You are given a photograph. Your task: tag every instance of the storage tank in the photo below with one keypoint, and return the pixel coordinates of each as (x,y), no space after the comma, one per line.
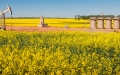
(93,23)
(116,22)
(100,24)
(108,23)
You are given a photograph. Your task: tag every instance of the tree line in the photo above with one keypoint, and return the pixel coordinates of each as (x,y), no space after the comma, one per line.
(37,18)
(78,17)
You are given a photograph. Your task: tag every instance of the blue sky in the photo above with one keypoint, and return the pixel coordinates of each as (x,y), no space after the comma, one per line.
(61,8)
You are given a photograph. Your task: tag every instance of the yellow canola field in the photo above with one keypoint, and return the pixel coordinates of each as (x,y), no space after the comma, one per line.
(59,53)
(51,22)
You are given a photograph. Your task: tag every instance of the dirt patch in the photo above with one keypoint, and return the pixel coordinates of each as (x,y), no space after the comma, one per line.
(45,29)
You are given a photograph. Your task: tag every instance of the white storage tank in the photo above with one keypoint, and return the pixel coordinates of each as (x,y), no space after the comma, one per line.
(93,23)
(116,22)
(100,21)
(108,23)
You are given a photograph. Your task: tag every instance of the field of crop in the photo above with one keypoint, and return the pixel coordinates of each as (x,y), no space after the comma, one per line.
(59,53)
(51,22)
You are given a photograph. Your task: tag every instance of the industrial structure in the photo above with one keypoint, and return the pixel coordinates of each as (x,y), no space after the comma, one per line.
(42,24)
(2,17)
(105,23)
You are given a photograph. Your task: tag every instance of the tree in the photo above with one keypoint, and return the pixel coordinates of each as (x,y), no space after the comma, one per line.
(78,17)
(75,17)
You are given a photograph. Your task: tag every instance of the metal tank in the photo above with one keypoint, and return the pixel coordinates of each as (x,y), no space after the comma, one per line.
(93,23)
(116,23)
(108,23)
(100,21)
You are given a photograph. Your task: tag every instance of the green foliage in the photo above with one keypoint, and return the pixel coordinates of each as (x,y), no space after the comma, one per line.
(37,18)
(78,17)
(59,53)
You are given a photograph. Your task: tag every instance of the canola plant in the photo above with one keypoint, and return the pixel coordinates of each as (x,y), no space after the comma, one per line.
(72,23)
(58,53)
